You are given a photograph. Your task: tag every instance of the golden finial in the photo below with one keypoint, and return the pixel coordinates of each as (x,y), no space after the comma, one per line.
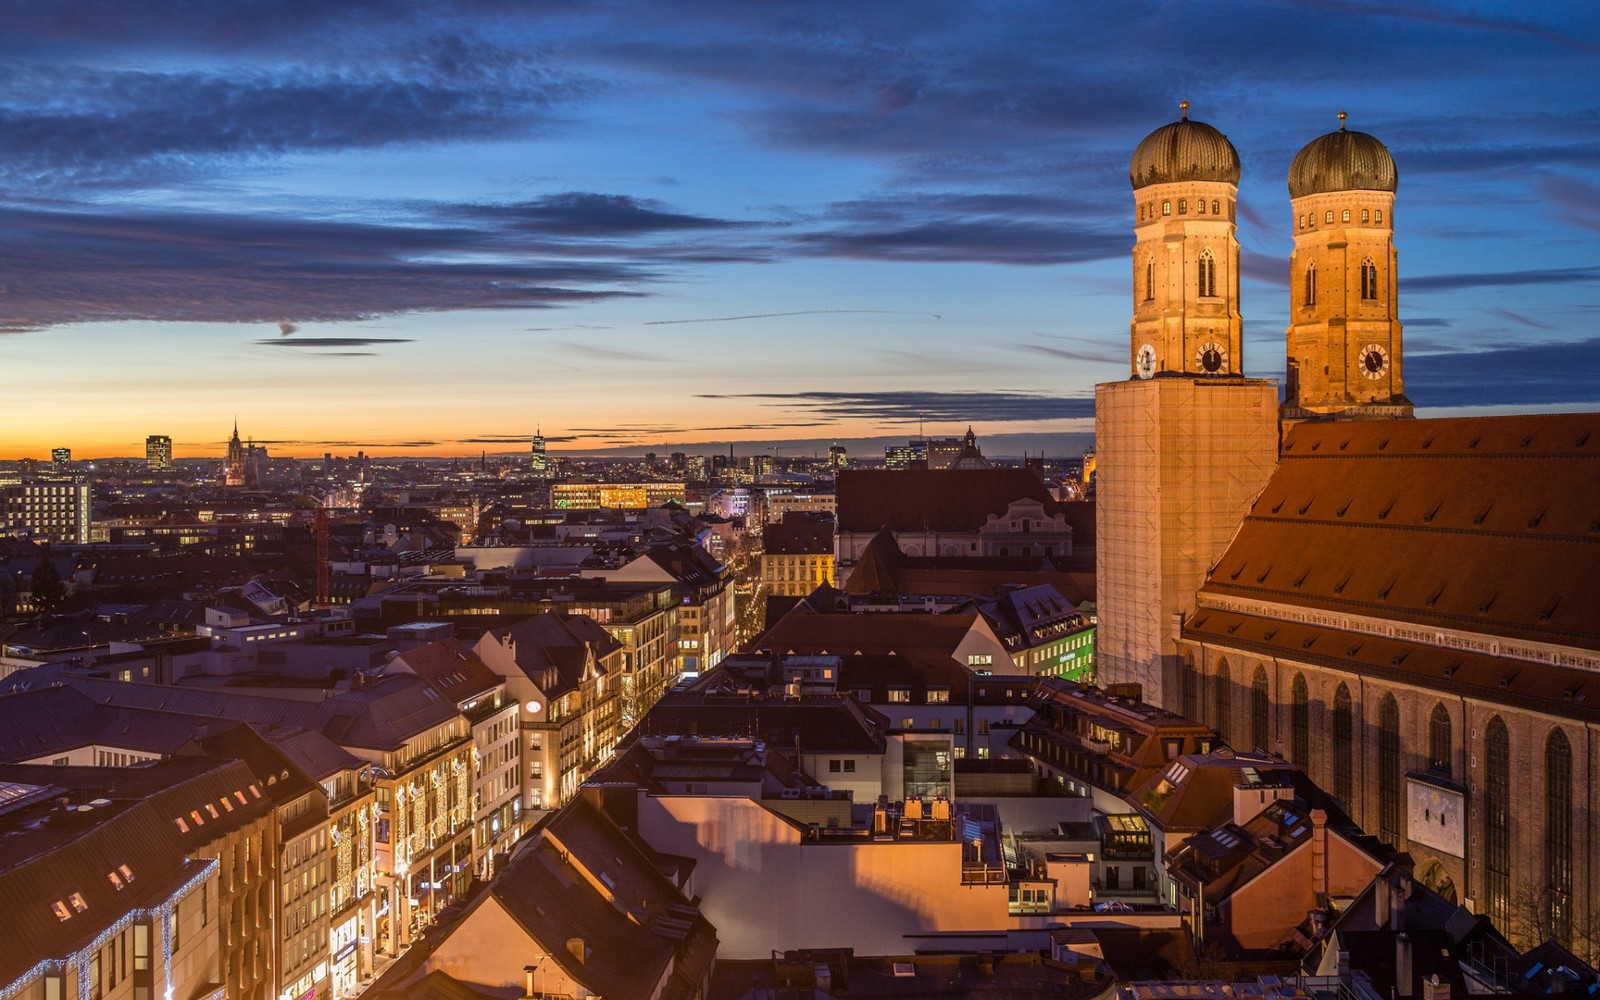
(1184,107)
(1342,117)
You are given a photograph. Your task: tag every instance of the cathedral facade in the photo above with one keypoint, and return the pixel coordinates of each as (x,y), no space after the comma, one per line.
(1403,608)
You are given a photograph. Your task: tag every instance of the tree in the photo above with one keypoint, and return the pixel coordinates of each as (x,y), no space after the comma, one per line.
(47,589)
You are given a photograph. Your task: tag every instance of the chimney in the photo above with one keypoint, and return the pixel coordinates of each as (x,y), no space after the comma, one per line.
(1400,890)
(1342,963)
(1432,989)
(1403,985)
(1380,902)
(528,971)
(1319,850)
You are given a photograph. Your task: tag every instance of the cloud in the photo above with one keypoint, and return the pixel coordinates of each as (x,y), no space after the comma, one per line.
(1520,375)
(798,312)
(285,328)
(320,342)
(909,406)
(606,352)
(588,214)
(1521,320)
(1503,279)
(93,265)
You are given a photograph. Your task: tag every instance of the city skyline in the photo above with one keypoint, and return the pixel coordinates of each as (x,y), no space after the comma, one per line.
(432,233)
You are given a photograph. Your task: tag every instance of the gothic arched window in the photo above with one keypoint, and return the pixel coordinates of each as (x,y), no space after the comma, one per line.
(1224,698)
(1258,708)
(1191,688)
(1311,285)
(1369,279)
(1183,206)
(1343,750)
(1389,769)
(1439,752)
(1300,722)
(1166,209)
(1149,280)
(1497,822)
(1558,836)
(1208,273)
(1366,216)
(1214,206)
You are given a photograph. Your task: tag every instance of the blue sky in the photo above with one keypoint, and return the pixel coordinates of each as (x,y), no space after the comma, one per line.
(433,227)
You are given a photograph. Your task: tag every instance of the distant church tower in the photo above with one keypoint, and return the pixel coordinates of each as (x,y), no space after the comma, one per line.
(233,471)
(1184,445)
(1185,256)
(1344,338)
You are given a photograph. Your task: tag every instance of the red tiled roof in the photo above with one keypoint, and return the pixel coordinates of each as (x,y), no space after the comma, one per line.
(1484,524)
(933,500)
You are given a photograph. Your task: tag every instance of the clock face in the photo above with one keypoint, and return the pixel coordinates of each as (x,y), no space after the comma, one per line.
(1145,362)
(1211,357)
(1374,362)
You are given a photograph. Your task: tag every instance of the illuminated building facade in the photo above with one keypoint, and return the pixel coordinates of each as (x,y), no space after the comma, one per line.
(158,452)
(618,496)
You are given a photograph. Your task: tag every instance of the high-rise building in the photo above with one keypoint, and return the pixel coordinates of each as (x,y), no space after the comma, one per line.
(837,458)
(1185,443)
(61,457)
(1344,335)
(48,511)
(538,461)
(158,452)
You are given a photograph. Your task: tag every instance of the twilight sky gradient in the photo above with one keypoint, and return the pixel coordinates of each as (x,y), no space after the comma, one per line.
(428,228)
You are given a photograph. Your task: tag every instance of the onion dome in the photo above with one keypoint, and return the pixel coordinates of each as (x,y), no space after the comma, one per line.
(1184,151)
(1342,161)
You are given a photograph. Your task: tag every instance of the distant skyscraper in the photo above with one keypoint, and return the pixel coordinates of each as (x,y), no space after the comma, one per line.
(158,452)
(538,461)
(837,459)
(233,468)
(62,457)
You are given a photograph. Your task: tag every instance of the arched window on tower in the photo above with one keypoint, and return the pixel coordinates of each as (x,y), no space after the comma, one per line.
(1497,823)
(1200,206)
(1166,209)
(1366,216)
(1389,769)
(1439,751)
(1224,698)
(1558,836)
(1208,273)
(1214,206)
(1377,216)
(1259,708)
(1344,216)
(1369,280)
(1327,217)
(1183,206)
(1343,749)
(1300,723)
(1311,285)
(1149,280)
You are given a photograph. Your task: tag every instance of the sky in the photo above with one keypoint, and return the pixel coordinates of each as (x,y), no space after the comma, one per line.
(423,227)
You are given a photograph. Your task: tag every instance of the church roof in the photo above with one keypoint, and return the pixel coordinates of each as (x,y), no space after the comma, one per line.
(1342,161)
(1184,151)
(1487,525)
(959,500)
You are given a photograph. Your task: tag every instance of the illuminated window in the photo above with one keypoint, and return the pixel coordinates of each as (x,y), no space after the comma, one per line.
(1344,216)
(938,696)
(78,905)
(1378,216)
(60,910)
(1327,216)
(1200,206)
(1214,206)
(1311,285)
(116,880)
(1366,216)
(1183,206)
(1166,208)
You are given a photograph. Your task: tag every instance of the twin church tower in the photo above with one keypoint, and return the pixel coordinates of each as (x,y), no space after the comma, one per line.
(1185,446)
(1344,337)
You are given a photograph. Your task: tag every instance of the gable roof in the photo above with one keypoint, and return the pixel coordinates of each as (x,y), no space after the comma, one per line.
(933,500)
(1481,524)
